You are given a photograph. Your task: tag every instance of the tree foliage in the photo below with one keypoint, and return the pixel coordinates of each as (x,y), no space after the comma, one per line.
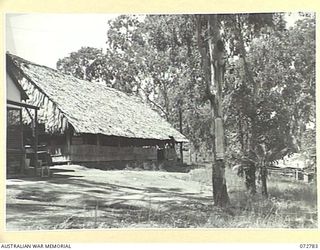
(282,67)
(268,92)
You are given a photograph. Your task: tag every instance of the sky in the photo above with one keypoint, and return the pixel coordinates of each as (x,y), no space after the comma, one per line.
(45,38)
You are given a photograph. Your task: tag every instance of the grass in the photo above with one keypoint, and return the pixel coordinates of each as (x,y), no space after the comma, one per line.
(291,204)
(81,198)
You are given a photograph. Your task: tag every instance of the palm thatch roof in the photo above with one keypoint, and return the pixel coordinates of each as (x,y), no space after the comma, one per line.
(88,107)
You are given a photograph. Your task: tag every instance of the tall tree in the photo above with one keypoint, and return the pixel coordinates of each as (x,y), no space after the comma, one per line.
(243,29)
(212,50)
(177,63)
(275,116)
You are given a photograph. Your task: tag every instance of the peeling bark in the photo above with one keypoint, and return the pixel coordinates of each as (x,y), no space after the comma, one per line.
(212,55)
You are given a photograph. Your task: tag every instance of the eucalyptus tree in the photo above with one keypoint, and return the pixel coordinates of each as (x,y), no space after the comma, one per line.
(271,122)
(180,64)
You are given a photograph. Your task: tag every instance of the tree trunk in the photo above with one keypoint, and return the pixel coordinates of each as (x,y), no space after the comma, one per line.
(217,68)
(212,53)
(264,174)
(250,179)
(250,170)
(250,173)
(180,129)
(219,185)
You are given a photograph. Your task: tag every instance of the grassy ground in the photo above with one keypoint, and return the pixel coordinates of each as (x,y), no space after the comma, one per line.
(77,197)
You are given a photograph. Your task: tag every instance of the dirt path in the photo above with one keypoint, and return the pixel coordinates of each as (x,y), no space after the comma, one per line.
(75,192)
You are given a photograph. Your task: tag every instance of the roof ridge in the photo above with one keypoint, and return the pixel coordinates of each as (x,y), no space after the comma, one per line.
(66,75)
(29,62)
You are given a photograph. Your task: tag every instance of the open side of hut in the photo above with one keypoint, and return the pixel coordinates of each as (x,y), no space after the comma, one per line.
(85,122)
(15,146)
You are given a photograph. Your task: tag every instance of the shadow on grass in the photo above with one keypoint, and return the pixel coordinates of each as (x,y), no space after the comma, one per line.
(125,206)
(114,206)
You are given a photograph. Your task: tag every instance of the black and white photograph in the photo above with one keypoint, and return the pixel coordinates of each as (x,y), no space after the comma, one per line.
(160,121)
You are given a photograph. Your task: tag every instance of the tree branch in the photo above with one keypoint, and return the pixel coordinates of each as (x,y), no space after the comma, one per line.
(155,104)
(244,56)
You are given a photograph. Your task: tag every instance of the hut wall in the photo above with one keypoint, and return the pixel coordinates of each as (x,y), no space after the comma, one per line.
(13,92)
(92,148)
(91,153)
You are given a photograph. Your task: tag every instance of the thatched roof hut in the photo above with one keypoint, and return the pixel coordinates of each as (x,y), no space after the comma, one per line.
(89,107)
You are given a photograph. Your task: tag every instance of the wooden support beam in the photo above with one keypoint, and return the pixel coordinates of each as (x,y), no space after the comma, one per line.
(22,166)
(35,141)
(68,142)
(21,104)
(29,114)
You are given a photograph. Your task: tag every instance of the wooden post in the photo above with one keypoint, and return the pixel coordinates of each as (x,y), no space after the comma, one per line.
(23,157)
(68,143)
(297,174)
(35,141)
